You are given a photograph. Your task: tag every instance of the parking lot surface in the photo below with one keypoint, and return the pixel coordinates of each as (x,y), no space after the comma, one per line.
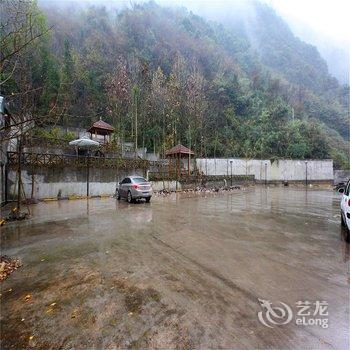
(183,272)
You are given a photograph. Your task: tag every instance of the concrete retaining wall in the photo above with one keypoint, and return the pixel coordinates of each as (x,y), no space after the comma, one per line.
(166,185)
(68,189)
(49,182)
(279,170)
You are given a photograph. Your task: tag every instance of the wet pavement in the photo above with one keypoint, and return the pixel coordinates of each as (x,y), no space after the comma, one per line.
(183,272)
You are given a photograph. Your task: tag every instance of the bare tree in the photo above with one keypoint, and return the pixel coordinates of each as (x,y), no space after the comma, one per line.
(197,105)
(22,26)
(159,101)
(22,31)
(118,89)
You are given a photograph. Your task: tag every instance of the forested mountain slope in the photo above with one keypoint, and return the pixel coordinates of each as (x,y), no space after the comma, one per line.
(297,62)
(245,90)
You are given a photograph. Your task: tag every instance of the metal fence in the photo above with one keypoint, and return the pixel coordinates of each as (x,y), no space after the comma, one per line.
(61,160)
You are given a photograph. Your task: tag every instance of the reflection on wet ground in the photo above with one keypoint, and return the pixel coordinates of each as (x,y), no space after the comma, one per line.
(181,272)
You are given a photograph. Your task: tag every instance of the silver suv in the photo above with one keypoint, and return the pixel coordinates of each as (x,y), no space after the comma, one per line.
(134,187)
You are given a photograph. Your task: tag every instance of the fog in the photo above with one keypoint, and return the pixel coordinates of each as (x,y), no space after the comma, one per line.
(324,24)
(321,23)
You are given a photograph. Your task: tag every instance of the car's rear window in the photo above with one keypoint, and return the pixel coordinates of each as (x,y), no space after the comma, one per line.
(139,180)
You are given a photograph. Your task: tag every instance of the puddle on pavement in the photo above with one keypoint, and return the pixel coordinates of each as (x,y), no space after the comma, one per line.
(184,271)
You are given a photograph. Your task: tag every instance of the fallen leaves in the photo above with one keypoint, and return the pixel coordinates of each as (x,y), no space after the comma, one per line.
(7,266)
(31,341)
(113,323)
(74,313)
(197,190)
(51,308)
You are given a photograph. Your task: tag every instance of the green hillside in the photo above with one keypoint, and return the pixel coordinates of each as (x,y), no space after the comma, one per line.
(222,90)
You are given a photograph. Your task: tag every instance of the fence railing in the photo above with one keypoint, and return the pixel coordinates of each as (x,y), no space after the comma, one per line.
(36,141)
(61,160)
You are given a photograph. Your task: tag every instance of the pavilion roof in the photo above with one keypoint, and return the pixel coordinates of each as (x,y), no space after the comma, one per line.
(100,125)
(178,149)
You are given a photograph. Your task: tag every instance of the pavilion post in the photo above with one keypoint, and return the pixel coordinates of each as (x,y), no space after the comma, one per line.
(87,174)
(19,174)
(189,164)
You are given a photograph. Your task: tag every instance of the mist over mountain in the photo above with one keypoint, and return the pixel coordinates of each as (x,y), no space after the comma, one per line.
(336,54)
(243,86)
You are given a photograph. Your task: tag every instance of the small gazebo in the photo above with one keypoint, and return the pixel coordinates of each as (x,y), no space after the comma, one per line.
(177,154)
(101,128)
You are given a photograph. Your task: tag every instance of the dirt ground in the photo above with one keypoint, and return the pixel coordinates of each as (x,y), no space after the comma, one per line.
(183,272)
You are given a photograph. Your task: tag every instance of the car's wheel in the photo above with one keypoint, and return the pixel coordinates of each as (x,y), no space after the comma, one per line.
(345,229)
(118,195)
(130,200)
(148,199)
(342,221)
(347,237)
(347,234)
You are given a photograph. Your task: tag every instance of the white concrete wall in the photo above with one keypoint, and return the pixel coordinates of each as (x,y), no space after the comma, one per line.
(51,190)
(166,185)
(43,189)
(50,183)
(296,170)
(279,170)
(68,185)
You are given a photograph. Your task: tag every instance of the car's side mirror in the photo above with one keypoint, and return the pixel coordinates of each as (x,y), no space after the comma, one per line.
(341,190)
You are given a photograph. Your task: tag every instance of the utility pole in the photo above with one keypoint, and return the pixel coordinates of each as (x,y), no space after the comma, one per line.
(231,161)
(88,174)
(136,130)
(19,175)
(189,154)
(306,173)
(135,98)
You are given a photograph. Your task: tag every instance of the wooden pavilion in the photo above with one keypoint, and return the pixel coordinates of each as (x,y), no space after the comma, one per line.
(176,156)
(101,128)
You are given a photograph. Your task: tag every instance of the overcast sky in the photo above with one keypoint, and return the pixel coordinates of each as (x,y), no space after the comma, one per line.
(329,18)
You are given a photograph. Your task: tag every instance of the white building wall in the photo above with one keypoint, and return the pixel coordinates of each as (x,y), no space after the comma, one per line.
(279,170)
